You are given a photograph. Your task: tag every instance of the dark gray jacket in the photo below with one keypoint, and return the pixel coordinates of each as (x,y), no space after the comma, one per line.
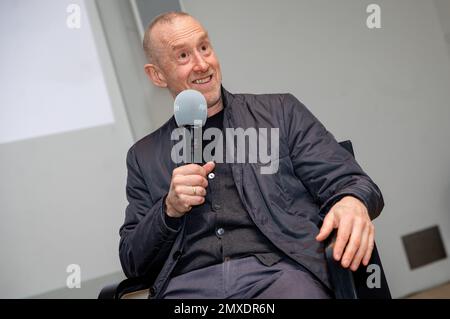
(314,172)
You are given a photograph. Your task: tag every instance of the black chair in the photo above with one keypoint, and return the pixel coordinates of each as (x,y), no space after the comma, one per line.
(346,284)
(358,284)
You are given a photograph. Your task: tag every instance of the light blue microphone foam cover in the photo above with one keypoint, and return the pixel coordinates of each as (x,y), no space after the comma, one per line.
(190,108)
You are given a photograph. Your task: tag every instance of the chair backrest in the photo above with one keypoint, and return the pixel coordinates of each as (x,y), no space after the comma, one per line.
(368,282)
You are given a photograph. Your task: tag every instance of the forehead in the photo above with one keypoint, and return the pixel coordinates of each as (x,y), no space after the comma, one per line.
(182,31)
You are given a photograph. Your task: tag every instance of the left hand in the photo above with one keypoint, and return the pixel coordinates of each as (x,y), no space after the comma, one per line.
(355,234)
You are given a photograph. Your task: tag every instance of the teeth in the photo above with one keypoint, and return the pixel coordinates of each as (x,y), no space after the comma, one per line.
(202,80)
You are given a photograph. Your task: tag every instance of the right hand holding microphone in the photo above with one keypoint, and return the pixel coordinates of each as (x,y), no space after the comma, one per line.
(187,188)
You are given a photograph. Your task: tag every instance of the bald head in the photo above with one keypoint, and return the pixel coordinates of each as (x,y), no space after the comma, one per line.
(180,57)
(152,40)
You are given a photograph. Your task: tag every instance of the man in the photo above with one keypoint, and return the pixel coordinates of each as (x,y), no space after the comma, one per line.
(224,230)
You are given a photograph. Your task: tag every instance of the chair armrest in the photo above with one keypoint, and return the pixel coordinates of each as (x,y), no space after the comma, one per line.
(109,292)
(353,285)
(117,290)
(341,278)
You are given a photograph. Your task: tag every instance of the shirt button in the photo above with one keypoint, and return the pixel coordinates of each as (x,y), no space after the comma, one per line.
(211,175)
(217,207)
(220,231)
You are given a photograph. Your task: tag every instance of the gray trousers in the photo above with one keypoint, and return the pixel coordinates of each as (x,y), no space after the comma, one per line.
(247,278)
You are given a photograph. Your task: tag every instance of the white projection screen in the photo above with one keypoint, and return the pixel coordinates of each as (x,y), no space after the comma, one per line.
(51,81)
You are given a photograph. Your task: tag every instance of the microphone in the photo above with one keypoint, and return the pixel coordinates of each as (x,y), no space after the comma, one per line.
(190,111)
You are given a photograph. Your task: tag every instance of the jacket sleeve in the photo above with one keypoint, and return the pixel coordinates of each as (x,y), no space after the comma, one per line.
(326,169)
(145,237)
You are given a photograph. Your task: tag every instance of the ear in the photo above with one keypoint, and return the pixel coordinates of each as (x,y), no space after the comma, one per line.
(155,75)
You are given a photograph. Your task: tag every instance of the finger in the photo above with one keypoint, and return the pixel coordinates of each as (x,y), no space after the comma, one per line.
(370,246)
(186,200)
(208,167)
(343,234)
(181,204)
(353,244)
(190,180)
(361,250)
(190,190)
(190,169)
(327,227)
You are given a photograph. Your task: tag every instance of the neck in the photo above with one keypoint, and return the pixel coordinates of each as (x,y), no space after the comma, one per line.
(216,108)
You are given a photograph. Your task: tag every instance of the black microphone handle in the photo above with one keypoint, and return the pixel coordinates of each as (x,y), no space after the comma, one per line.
(192,143)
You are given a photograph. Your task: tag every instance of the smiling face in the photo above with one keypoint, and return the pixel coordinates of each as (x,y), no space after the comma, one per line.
(184,59)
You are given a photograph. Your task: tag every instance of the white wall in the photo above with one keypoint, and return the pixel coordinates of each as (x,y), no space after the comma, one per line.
(62,196)
(387,90)
(48,89)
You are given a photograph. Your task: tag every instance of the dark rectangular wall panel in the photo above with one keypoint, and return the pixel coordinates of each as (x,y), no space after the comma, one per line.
(424,247)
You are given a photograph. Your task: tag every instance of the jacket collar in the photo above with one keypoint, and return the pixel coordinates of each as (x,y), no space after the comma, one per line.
(230,102)
(227,97)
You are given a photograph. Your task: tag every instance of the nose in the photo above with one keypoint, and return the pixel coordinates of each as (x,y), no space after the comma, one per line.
(200,63)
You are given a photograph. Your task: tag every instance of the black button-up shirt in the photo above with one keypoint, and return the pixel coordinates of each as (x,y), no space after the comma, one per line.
(221,228)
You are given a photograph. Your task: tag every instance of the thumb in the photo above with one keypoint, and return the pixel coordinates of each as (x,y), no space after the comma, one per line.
(209,167)
(327,227)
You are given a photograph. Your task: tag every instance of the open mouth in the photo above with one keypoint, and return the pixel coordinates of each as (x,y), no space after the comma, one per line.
(203,80)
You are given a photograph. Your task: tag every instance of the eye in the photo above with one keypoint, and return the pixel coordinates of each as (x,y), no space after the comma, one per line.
(204,47)
(183,55)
